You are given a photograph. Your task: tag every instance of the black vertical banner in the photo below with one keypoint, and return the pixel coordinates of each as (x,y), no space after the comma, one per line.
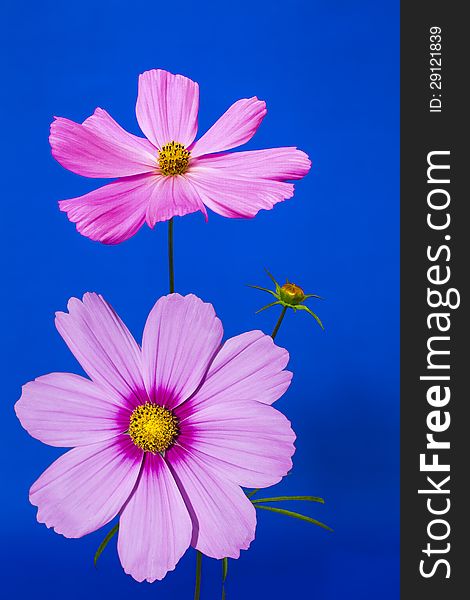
(435,257)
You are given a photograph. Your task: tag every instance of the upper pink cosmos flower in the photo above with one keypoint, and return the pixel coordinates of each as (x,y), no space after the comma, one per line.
(169,173)
(162,435)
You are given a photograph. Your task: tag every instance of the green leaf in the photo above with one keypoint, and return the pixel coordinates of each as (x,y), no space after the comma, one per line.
(282,498)
(310,312)
(105,542)
(294,515)
(252,493)
(314,296)
(257,287)
(267,306)
(278,287)
(224,569)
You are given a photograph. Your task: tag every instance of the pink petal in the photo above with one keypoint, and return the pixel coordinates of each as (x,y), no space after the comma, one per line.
(173,196)
(234,128)
(279,164)
(167,107)
(113,213)
(62,409)
(247,367)
(104,347)
(181,336)
(224,520)
(155,526)
(100,147)
(236,196)
(245,441)
(86,487)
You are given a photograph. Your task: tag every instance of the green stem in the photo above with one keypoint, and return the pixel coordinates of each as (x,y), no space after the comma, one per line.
(197,589)
(279,321)
(224,575)
(171,264)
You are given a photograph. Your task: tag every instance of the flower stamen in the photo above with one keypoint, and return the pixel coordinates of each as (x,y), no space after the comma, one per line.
(173,159)
(153,428)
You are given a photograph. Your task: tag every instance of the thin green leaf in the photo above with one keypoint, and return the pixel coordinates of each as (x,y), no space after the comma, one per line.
(105,542)
(282,498)
(295,515)
(267,306)
(224,569)
(257,287)
(310,312)
(252,493)
(314,296)
(278,287)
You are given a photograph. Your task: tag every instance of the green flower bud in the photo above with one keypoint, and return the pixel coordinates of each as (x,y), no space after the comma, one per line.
(291,294)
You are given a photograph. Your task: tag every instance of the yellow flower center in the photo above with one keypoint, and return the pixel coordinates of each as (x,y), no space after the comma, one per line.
(173,159)
(153,428)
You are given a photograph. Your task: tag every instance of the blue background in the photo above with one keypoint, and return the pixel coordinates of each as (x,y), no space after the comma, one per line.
(329,73)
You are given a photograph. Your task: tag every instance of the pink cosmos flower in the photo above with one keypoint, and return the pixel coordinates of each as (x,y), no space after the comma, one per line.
(162,435)
(169,173)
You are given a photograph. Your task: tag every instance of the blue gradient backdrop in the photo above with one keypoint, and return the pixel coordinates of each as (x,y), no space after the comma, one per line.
(329,73)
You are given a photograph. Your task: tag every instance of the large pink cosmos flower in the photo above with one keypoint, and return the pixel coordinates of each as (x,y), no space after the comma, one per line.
(162,435)
(168,173)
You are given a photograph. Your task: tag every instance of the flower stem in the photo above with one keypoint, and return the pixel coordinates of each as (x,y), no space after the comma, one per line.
(197,589)
(279,321)
(224,575)
(171,265)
